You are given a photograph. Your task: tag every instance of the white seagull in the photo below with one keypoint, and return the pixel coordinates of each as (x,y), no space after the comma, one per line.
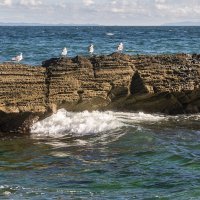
(91,49)
(120,47)
(17,58)
(64,52)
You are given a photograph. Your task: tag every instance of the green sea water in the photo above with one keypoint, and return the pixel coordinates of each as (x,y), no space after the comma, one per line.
(103,155)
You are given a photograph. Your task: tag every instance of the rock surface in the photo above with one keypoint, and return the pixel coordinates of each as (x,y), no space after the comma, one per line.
(164,83)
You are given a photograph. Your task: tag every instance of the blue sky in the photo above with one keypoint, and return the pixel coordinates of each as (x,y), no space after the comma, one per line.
(104,12)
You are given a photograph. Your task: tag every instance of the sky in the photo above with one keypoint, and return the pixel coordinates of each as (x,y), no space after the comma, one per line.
(102,12)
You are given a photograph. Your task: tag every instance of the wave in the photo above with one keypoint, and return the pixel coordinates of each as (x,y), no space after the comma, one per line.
(81,123)
(107,123)
(110,34)
(84,123)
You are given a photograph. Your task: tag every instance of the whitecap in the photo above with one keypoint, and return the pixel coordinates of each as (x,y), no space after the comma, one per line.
(85,123)
(110,34)
(82,123)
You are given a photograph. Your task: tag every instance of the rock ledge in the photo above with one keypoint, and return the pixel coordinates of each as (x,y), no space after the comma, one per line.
(167,84)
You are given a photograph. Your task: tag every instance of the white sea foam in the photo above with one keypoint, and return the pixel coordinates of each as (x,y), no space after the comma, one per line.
(7,193)
(83,123)
(138,117)
(110,34)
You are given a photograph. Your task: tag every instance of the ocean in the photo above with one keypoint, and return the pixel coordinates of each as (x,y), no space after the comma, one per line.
(101,155)
(41,43)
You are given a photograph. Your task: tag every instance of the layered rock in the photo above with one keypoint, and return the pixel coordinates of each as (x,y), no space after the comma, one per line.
(22,95)
(22,88)
(165,74)
(177,76)
(81,83)
(165,83)
(117,71)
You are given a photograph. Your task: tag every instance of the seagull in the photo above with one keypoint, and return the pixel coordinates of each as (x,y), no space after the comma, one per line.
(17,58)
(64,52)
(91,49)
(120,47)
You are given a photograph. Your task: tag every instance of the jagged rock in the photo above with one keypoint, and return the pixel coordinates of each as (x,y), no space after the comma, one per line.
(164,83)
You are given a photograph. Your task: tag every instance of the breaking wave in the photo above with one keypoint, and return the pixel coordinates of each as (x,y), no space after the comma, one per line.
(85,123)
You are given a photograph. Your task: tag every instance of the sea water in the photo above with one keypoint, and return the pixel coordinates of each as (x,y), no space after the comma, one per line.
(41,43)
(101,155)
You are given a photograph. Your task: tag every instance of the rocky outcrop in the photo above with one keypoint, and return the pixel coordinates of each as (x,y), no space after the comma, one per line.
(165,74)
(81,83)
(22,88)
(176,77)
(22,95)
(164,83)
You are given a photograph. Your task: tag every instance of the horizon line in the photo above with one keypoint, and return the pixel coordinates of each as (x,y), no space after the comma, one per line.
(39,24)
(93,24)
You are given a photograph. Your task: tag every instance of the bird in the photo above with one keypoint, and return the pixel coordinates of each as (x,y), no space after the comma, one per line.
(64,52)
(18,58)
(120,47)
(91,49)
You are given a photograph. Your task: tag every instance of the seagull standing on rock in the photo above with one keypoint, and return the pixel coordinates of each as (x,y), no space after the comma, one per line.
(120,47)
(91,49)
(17,58)
(64,52)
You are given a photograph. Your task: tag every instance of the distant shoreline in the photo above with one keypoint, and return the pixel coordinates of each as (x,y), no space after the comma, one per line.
(181,24)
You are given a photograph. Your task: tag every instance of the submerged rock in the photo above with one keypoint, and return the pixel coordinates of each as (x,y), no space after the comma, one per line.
(155,84)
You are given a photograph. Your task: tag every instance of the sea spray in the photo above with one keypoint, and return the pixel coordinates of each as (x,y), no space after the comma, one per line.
(83,123)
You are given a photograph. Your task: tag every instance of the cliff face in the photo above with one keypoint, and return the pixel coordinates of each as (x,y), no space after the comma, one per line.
(166,83)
